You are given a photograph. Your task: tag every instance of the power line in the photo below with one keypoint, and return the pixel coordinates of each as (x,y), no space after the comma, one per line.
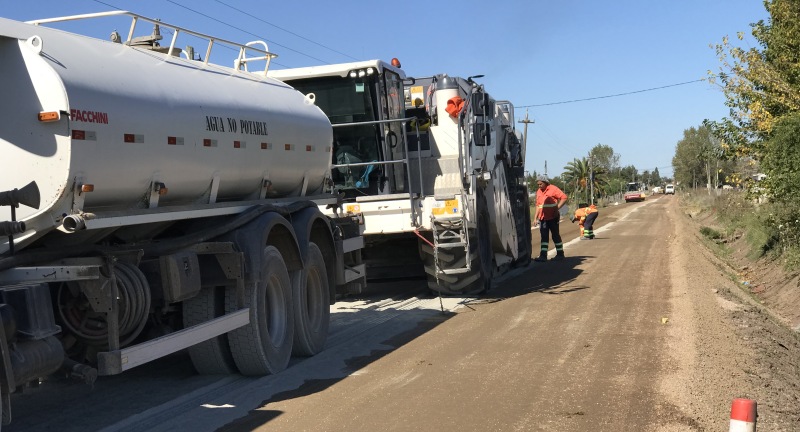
(613,95)
(283,29)
(245,31)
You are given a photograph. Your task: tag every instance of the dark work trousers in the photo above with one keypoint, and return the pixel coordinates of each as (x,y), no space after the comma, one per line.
(545,229)
(588,224)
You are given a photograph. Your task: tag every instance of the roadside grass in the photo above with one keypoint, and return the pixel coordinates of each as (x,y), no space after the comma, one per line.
(770,230)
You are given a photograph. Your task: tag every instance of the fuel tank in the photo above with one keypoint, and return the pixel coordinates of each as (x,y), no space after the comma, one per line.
(131,118)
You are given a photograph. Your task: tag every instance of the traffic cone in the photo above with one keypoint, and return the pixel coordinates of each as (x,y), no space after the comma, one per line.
(743,415)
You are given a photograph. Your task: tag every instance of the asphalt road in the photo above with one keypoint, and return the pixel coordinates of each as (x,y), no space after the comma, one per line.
(573,345)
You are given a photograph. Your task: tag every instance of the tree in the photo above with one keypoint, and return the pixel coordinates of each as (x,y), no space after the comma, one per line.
(629,174)
(761,84)
(582,178)
(655,179)
(697,158)
(603,156)
(783,162)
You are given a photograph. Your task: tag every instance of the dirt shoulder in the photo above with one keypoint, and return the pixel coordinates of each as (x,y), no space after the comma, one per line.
(724,342)
(764,279)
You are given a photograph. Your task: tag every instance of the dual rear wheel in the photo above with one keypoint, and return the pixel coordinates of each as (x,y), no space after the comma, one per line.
(287,315)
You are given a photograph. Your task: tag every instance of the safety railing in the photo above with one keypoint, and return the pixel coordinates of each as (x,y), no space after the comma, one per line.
(405,162)
(240,63)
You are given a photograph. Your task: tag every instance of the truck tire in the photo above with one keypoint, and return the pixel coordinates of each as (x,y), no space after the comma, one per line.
(524,236)
(264,346)
(212,357)
(312,307)
(484,261)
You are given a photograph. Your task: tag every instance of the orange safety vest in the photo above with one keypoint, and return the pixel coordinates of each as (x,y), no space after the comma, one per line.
(547,202)
(580,215)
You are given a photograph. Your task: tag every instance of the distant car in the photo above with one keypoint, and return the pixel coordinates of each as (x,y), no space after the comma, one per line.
(669,189)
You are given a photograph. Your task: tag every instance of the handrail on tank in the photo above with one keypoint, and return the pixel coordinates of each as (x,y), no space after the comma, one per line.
(242,59)
(405,161)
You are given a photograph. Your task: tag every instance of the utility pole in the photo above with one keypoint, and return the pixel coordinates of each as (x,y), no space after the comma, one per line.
(525,136)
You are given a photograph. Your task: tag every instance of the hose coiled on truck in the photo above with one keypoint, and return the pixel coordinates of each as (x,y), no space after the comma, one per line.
(91,327)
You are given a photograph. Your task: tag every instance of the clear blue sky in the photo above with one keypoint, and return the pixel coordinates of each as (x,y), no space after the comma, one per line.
(532,52)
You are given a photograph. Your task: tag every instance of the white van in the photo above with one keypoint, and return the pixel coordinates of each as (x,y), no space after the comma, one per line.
(669,190)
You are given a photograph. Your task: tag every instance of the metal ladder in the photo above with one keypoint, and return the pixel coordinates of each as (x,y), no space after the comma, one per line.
(450,233)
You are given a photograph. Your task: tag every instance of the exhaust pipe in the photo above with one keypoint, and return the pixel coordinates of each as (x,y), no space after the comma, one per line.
(74,223)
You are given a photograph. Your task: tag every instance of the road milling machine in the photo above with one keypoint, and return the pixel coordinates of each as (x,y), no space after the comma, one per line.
(434,165)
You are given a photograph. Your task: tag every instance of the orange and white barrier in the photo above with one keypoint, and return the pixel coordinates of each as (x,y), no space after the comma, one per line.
(743,415)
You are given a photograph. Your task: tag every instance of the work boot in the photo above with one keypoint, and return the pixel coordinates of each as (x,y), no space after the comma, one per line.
(541,258)
(559,256)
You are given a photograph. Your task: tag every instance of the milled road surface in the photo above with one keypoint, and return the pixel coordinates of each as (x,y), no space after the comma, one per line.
(572,345)
(630,333)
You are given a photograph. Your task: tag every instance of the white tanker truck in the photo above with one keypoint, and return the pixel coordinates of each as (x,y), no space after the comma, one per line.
(435,165)
(152,202)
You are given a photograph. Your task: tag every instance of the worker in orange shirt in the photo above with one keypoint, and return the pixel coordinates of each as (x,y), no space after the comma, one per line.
(549,200)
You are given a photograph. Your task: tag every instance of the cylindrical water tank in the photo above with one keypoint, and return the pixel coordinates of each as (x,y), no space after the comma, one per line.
(132,118)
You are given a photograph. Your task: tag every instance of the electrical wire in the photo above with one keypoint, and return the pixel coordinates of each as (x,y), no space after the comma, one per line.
(287,31)
(613,95)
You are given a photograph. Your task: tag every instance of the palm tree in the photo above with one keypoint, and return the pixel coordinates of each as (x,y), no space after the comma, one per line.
(579,174)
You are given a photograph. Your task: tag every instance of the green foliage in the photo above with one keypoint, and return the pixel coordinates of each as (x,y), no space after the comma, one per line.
(710,233)
(581,179)
(761,84)
(769,229)
(629,173)
(782,162)
(762,234)
(603,156)
(699,159)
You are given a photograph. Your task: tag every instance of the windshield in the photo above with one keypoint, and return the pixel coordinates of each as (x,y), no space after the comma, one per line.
(349,100)
(633,187)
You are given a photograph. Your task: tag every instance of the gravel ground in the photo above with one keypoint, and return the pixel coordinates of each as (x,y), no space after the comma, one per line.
(724,343)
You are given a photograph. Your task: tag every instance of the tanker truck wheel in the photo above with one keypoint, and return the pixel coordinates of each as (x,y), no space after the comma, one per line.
(264,346)
(312,308)
(213,356)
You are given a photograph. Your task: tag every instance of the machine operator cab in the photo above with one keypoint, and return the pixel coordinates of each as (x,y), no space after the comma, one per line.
(361,100)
